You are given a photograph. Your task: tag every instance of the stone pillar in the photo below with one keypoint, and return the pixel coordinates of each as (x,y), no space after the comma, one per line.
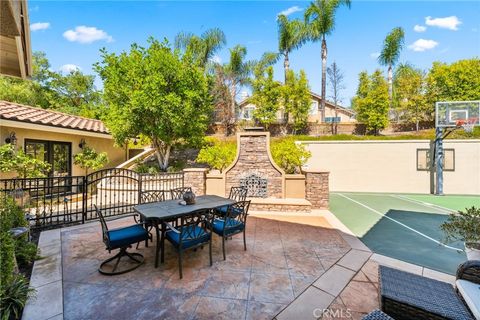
(197,179)
(317,189)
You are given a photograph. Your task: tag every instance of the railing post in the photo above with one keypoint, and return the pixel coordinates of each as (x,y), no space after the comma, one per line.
(84,199)
(140,177)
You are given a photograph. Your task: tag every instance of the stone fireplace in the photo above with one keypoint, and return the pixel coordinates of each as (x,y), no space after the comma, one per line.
(254,167)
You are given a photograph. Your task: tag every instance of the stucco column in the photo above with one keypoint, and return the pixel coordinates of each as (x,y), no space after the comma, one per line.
(317,189)
(197,179)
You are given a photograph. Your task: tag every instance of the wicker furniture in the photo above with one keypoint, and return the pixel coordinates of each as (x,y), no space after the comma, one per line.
(405,295)
(377,315)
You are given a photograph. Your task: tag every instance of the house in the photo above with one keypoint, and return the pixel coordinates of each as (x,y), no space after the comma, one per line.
(344,115)
(55,137)
(15,49)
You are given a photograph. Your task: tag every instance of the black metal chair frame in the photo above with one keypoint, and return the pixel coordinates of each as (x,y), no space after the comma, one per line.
(202,218)
(238,193)
(233,213)
(153,196)
(136,257)
(177,193)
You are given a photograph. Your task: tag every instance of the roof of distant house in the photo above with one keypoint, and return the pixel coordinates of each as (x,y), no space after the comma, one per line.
(318,97)
(22,113)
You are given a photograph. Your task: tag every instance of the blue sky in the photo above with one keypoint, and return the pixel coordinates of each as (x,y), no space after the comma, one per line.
(71,33)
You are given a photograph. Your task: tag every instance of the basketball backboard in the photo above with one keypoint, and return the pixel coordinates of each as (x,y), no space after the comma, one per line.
(457,113)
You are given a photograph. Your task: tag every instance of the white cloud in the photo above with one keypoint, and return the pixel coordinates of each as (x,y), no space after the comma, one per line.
(216,59)
(39,26)
(67,68)
(450,23)
(290,10)
(423,45)
(374,55)
(419,28)
(84,34)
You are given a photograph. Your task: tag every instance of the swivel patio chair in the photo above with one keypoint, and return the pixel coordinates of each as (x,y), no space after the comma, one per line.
(177,193)
(237,194)
(234,222)
(121,238)
(192,232)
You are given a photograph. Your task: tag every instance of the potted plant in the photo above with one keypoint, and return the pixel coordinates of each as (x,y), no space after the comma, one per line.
(465,226)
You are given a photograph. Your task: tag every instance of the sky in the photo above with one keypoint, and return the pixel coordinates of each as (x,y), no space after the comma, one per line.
(73,32)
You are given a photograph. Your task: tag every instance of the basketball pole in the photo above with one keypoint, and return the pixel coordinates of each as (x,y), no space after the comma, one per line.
(439,160)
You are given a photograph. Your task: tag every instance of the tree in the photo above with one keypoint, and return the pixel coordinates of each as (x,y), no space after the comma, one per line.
(266,97)
(289,155)
(296,99)
(392,46)
(218,154)
(18,161)
(320,20)
(409,98)
(203,47)
(156,92)
(371,101)
(459,81)
(336,79)
(88,158)
(291,35)
(222,99)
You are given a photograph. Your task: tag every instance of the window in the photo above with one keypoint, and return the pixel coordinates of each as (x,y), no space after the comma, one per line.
(332,119)
(248,112)
(58,154)
(424,159)
(314,108)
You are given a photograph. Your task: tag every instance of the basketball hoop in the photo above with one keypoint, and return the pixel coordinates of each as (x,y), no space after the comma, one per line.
(467,125)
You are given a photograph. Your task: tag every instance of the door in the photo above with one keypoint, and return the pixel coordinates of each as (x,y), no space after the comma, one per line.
(58,154)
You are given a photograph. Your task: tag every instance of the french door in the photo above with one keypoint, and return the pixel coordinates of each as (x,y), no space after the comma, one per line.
(58,154)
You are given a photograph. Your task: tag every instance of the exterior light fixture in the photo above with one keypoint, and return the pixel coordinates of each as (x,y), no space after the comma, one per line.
(11,138)
(82,143)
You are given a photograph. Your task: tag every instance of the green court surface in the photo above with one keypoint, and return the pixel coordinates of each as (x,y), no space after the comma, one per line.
(404,226)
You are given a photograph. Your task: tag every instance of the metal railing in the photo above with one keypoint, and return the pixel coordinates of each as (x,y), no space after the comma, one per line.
(57,201)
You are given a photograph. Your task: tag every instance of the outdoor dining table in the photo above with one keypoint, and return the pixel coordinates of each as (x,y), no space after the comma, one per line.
(159,212)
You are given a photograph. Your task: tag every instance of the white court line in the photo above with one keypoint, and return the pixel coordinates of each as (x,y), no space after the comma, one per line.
(425,204)
(402,224)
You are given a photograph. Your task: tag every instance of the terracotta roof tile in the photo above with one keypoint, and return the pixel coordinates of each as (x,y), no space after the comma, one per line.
(23,113)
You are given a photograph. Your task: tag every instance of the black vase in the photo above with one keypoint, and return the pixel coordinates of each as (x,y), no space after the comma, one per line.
(189,197)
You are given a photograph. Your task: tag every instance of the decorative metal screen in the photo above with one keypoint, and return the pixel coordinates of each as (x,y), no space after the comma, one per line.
(256,185)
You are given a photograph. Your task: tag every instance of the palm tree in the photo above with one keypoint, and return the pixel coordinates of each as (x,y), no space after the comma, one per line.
(202,47)
(320,21)
(291,35)
(392,45)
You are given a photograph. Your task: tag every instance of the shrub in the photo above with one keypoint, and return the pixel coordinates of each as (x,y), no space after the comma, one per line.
(90,159)
(21,163)
(13,297)
(217,154)
(463,226)
(7,258)
(289,155)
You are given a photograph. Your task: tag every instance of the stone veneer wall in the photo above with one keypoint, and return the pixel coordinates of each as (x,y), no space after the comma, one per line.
(254,157)
(317,189)
(195,178)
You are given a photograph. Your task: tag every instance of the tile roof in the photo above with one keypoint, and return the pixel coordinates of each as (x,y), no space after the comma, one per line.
(23,113)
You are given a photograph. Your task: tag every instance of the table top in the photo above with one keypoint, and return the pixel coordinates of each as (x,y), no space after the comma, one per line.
(172,209)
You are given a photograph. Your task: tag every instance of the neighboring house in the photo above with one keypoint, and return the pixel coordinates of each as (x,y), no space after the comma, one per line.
(55,137)
(344,115)
(15,50)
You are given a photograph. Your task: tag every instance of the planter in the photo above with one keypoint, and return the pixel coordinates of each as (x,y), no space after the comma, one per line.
(472,251)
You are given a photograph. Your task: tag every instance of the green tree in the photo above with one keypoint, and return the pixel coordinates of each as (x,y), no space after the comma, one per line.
(266,97)
(88,158)
(458,81)
(156,92)
(291,35)
(217,154)
(203,47)
(320,20)
(409,97)
(24,165)
(289,155)
(336,79)
(392,46)
(296,99)
(371,101)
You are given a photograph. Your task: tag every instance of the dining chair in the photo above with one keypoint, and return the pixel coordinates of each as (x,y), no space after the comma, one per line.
(177,193)
(232,223)
(236,194)
(121,238)
(192,232)
(149,196)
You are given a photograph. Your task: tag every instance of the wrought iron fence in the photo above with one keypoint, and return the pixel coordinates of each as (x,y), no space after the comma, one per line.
(57,201)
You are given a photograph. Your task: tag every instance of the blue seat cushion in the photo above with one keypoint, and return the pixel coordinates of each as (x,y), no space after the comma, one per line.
(191,236)
(232,226)
(125,236)
(223,210)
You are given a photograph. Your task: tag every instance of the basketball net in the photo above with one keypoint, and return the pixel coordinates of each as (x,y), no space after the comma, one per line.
(467,125)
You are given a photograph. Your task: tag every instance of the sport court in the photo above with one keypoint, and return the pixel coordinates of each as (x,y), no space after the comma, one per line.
(404,226)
